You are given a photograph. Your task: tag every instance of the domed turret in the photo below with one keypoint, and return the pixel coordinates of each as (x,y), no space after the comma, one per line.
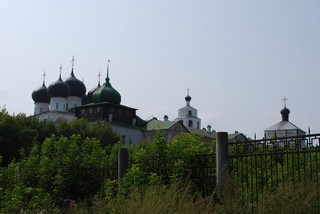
(77,88)
(106,93)
(90,93)
(40,95)
(41,98)
(285,114)
(188,99)
(59,89)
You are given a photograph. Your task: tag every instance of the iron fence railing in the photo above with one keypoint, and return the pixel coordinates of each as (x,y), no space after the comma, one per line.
(268,163)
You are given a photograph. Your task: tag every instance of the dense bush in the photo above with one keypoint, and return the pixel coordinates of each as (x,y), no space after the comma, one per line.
(160,161)
(56,171)
(22,132)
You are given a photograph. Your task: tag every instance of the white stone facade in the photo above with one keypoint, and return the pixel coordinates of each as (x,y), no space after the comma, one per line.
(58,104)
(39,108)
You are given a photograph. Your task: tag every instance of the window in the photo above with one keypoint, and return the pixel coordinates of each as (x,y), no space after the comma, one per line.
(98,109)
(198,125)
(90,110)
(40,110)
(190,123)
(190,113)
(57,105)
(67,106)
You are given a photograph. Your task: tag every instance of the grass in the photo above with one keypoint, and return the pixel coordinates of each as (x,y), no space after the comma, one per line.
(178,198)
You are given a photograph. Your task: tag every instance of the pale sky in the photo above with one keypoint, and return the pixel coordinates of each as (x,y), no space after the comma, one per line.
(238,58)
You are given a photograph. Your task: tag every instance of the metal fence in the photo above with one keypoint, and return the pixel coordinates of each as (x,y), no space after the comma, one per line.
(203,174)
(88,181)
(266,164)
(258,165)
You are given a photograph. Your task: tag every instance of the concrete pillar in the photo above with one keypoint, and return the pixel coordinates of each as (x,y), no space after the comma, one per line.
(122,162)
(222,157)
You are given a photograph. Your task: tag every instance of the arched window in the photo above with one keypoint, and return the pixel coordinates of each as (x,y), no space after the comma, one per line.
(190,113)
(190,123)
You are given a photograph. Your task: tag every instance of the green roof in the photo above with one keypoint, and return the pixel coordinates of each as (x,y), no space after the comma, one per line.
(155,124)
(202,133)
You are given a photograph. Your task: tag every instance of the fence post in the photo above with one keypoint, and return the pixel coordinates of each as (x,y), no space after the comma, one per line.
(221,157)
(122,162)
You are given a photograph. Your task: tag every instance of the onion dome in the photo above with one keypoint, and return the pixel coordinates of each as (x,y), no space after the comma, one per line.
(90,93)
(40,95)
(106,93)
(77,88)
(59,89)
(285,114)
(188,98)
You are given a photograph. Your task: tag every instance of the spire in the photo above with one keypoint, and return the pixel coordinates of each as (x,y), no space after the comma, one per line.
(188,98)
(44,77)
(99,76)
(72,61)
(285,112)
(60,68)
(107,79)
(285,101)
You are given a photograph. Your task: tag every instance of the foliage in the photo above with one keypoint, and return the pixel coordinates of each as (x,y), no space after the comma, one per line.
(22,132)
(175,198)
(160,161)
(56,170)
(100,130)
(16,132)
(297,197)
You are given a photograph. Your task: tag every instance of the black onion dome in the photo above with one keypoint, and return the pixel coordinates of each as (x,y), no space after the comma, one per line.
(89,95)
(40,95)
(188,98)
(77,88)
(59,89)
(285,114)
(285,111)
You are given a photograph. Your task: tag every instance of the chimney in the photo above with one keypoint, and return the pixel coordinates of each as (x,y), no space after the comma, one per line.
(208,128)
(165,118)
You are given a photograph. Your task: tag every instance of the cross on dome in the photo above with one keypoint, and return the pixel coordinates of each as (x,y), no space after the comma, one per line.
(44,76)
(108,70)
(60,68)
(72,61)
(99,76)
(285,101)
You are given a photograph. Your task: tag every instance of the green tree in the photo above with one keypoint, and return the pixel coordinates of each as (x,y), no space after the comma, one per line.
(160,161)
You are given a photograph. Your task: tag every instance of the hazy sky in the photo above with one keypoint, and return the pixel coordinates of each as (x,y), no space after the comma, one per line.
(238,58)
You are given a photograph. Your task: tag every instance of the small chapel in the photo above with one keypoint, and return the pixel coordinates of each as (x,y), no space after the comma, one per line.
(284,128)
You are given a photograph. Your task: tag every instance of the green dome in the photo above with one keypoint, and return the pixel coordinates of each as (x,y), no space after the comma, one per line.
(106,93)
